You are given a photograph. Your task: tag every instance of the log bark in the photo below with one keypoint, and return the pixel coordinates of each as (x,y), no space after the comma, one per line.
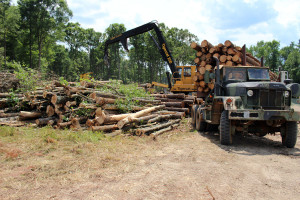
(208,67)
(223,58)
(230,51)
(185,110)
(217,55)
(24,115)
(237,59)
(157,133)
(228,43)
(50,111)
(104,95)
(55,99)
(202,70)
(44,121)
(176,96)
(160,132)
(229,58)
(165,117)
(174,104)
(206,44)
(155,128)
(251,61)
(197,61)
(124,121)
(229,63)
(199,54)
(63,125)
(142,120)
(104,119)
(195,46)
(203,63)
(105,128)
(5,115)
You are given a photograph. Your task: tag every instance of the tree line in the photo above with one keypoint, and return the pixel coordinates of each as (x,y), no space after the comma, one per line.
(38,34)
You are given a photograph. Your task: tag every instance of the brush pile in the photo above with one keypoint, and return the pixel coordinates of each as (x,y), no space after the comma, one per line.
(86,107)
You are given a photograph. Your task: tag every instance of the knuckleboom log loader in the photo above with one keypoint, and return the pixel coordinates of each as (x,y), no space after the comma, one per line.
(182,76)
(244,100)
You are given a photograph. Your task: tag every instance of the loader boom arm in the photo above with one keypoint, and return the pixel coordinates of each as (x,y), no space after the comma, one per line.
(162,45)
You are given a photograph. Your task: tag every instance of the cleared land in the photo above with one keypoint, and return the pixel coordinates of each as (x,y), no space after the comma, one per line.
(181,164)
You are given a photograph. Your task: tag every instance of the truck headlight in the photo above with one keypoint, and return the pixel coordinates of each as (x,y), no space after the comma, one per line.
(250,93)
(286,94)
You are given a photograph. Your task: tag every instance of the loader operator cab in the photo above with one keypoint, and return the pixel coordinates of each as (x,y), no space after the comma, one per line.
(183,72)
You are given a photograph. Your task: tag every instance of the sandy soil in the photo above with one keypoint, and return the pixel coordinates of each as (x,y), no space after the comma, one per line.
(181,164)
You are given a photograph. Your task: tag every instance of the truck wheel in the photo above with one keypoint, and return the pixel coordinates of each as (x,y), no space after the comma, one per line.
(200,123)
(225,133)
(193,113)
(289,134)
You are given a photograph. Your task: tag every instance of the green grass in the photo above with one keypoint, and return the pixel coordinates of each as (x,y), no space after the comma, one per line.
(48,135)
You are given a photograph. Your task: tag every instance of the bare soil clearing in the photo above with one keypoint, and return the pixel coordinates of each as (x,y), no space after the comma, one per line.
(179,165)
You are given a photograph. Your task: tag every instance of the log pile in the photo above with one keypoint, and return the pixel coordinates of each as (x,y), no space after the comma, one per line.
(227,53)
(176,102)
(84,107)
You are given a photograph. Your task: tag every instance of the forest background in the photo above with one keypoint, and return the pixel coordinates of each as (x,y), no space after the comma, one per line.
(38,35)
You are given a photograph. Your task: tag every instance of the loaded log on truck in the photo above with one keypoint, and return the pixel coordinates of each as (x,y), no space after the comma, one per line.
(182,76)
(245,100)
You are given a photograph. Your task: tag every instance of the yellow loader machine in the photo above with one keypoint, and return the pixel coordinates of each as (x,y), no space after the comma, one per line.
(182,76)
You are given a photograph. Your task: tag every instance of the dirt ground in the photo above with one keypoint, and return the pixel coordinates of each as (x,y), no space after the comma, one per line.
(181,164)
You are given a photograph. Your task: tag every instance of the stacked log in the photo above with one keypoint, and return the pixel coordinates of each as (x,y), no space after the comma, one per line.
(176,102)
(84,107)
(227,53)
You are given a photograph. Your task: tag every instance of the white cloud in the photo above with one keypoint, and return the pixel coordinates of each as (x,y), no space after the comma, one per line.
(198,16)
(288,12)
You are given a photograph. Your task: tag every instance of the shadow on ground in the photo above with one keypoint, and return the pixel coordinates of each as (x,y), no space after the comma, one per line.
(253,145)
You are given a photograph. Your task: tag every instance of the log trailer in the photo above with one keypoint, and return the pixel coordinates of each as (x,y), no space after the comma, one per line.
(182,76)
(244,100)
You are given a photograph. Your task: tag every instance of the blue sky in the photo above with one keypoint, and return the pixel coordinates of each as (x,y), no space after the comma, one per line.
(241,21)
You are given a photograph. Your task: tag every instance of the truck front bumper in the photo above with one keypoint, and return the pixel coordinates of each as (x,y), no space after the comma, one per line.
(288,115)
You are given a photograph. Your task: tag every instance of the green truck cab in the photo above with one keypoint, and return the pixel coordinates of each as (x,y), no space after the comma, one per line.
(244,100)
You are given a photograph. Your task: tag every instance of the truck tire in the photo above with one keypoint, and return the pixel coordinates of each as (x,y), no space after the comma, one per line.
(193,113)
(225,133)
(289,134)
(200,123)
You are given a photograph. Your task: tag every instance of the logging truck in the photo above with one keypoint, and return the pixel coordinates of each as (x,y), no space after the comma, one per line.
(244,100)
(181,80)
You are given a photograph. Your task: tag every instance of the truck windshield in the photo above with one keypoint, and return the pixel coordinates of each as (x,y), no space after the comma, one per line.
(236,74)
(258,74)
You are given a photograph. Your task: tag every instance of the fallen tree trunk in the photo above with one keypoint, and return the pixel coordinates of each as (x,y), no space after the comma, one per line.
(174,104)
(185,110)
(105,128)
(176,96)
(43,121)
(165,117)
(24,115)
(157,133)
(148,130)
(5,115)
(142,120)
(141,113)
